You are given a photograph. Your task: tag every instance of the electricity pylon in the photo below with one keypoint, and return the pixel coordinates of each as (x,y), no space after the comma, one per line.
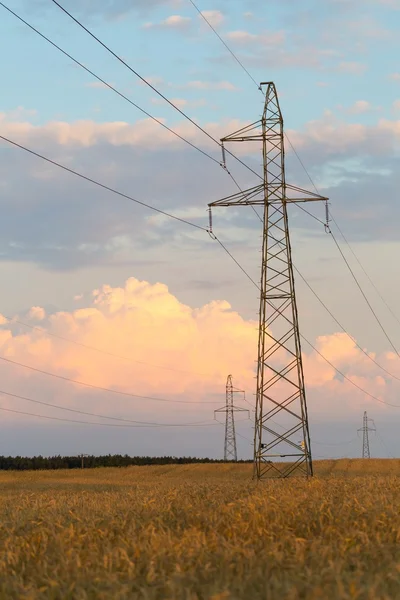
(82,457)
(230,450)
(281,409)
(366,429)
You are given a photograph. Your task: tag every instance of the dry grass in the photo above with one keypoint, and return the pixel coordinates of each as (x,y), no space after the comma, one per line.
(201,532)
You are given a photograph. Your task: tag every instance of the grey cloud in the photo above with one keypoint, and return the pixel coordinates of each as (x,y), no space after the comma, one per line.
(59,222)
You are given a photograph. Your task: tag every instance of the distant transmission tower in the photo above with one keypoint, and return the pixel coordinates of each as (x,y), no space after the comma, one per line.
(82,457)
(230,450)
(365,430)
(281,410)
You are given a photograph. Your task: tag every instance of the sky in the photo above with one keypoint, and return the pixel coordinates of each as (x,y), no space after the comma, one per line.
(154,307)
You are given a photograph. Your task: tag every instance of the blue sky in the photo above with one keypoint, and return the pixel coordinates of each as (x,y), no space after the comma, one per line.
(335,64)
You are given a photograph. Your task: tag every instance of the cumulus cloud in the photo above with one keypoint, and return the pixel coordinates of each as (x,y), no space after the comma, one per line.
(169,346)
(169,350)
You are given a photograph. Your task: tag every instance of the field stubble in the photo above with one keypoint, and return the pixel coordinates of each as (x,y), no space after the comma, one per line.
(201,532)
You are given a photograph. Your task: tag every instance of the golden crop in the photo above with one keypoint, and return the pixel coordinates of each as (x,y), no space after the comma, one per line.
(201,532)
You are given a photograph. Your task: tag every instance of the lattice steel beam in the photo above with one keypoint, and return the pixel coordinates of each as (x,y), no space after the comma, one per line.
(282,440)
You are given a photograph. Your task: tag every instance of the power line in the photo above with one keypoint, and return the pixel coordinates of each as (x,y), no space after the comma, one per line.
(214,237)
(19,412)
(353,383)
(326,359)
(343,328)
(152,87)
(344,258)
(310,214)
(99,416)
(383,444)
(364,270)
(301,162)
(123,96)
(160,211)
(183,221)
(319,353)
(108,85)
(126,98)
(334,444)
(101,185)
(97,387)
(73,172)
(170,216)
(364,295)
(333,316)
(225,44)
(101,351)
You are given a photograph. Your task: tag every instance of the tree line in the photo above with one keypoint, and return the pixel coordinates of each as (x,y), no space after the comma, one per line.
(35,463)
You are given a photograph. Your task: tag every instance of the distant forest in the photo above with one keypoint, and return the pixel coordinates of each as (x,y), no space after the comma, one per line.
(35,463)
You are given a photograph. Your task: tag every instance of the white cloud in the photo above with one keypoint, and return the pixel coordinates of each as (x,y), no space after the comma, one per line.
(37,313)
(172,22)
(360,107)
(144,133)
(214,17)
(394,76)
(241,37)
(330,136)
(396,105)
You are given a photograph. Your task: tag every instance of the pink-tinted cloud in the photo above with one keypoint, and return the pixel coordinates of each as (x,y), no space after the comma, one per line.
(172,351)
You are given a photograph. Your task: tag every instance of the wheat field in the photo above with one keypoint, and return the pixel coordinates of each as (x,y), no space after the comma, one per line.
(201,532)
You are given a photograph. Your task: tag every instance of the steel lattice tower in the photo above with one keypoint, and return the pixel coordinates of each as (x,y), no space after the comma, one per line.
(281,410)
(230,450)
(365,430)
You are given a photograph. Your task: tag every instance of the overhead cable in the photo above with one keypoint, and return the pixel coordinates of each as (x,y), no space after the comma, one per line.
(97,387)
(111,87)
(364,270)
(152,87)
(19,412)
(105,187)
(100,350)
(202,15)
(89,414)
